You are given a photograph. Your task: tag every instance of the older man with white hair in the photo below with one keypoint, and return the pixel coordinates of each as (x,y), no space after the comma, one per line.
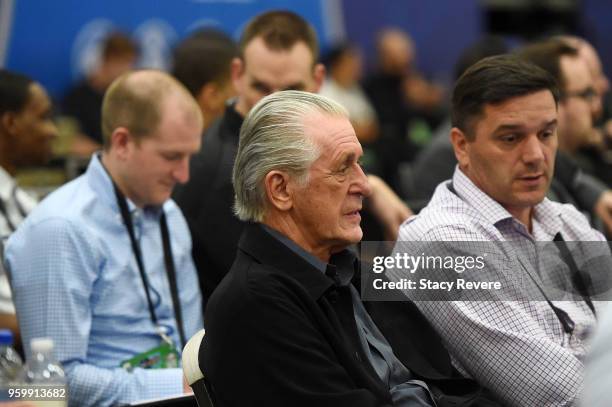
(286,316)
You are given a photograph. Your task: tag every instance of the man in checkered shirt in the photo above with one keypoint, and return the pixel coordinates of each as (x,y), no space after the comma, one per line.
(505,117)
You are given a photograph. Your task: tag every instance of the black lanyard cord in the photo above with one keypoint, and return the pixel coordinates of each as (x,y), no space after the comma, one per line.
(6,216)
(168,260)
(580,281)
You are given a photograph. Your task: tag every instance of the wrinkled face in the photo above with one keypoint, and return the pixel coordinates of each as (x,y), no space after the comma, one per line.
(155,163)
(264,71)
(579,105)
(33,129)
(511,157)
(327,207)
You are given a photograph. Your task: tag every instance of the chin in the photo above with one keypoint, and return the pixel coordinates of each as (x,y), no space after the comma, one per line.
(354,236)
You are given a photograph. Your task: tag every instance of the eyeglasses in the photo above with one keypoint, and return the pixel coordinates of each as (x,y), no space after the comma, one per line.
(589,94)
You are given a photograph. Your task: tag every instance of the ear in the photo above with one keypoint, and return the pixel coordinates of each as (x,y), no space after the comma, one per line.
(9,123)
(122,142)
(237,72)
(318,74)
(461,146)
(278,190)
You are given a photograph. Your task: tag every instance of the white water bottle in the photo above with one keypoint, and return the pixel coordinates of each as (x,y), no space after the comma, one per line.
(44,374)
(11,364)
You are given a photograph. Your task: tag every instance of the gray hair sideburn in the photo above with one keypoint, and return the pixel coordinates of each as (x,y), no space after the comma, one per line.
(272,138)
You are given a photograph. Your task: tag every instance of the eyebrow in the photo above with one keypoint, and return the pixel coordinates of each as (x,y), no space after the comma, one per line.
(346,158)
(520,127)
(293,86)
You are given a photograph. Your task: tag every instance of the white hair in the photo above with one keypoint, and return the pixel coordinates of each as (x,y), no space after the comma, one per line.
(272,138)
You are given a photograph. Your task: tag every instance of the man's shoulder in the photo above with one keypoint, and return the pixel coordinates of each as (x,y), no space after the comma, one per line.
(68,202)
(74,208)
(575,225)
(447,217)
(251,287)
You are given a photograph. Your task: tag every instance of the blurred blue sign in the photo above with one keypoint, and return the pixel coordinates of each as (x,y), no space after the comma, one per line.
(56,42)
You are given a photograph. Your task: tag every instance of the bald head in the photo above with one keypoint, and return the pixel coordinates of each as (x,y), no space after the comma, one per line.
(395,51)
(136,101)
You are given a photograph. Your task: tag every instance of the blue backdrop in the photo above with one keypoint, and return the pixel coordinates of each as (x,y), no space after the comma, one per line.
(55,41)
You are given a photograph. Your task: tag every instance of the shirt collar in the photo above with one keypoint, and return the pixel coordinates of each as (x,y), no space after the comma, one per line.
(490,209)
(545,213)
(7,183)
(268,249)
(341,264)
(101,182)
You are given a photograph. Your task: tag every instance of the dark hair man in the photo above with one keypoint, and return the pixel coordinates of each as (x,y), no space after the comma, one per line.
(505,119)
(26,132)
(278,51)
(202,63)
(98,266)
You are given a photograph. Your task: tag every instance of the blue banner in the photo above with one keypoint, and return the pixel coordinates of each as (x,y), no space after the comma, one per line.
(55,42)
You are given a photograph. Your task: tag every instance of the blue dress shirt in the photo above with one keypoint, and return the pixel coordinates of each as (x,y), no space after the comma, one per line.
(75,280)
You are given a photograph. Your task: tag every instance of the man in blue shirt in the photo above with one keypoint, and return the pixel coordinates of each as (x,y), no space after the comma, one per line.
(98,265)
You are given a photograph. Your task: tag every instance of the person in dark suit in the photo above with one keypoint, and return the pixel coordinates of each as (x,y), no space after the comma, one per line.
(286,327)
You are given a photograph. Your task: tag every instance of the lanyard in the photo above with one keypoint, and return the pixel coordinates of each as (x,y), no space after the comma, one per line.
(577,278)
(168,260)
(580,281)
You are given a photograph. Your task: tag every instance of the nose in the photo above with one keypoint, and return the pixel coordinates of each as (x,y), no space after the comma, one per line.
(362,184)
(181,172)
(533,150)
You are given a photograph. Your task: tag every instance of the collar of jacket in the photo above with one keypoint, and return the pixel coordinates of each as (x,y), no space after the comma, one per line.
(267,249)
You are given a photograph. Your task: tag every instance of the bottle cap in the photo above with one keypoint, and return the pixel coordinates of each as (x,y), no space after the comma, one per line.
(6,337)
(41,345)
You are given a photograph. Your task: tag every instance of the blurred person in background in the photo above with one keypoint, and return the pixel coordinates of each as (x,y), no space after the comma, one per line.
(344,64)
(344,67)
(407,105)
(278,51)
(103,265)
(26,132)
(83,102)
(579,108)
(595,156)
(202,63)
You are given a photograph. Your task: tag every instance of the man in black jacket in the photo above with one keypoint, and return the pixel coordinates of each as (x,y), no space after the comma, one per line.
(286,317)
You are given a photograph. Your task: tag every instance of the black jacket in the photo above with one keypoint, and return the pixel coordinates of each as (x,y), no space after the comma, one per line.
(207,201)
(279,333)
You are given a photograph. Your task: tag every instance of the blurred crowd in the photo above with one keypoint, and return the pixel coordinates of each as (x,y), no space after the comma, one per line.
(400,117)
